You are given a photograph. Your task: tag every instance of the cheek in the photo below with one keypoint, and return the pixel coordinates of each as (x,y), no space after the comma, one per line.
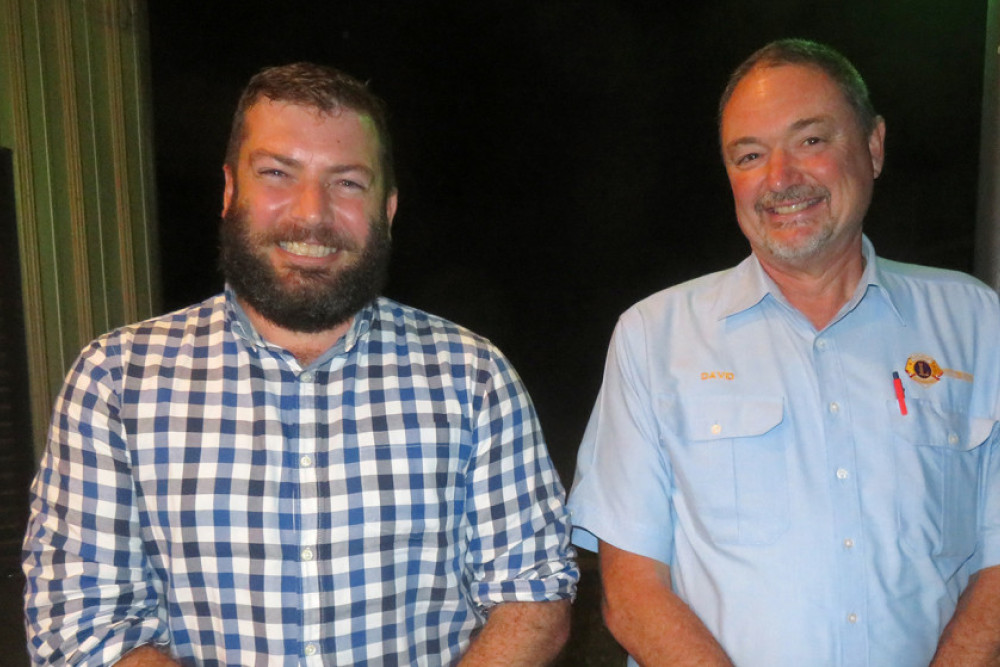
(354,215)
(830,171)
(744,190)
(266,206)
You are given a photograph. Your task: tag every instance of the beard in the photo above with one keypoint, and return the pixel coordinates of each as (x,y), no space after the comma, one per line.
(300,299)
(804,248)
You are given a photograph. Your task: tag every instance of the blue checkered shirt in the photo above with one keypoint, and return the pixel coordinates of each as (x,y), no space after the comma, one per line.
(201,490)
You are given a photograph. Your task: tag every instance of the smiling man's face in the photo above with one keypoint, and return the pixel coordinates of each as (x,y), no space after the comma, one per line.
(800,165)
(305,235)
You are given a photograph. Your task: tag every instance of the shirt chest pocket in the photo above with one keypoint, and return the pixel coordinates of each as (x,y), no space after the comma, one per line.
(730,467)
(410,479)
(938,457)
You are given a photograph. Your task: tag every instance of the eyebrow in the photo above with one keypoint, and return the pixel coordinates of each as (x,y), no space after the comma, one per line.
(807,122)
(797,126)
(337,170)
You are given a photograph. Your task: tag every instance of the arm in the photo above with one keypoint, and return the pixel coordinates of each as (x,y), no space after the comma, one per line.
(147,656)
(521,633)
(519,564)
(654,625)
(89,597)
(972,637)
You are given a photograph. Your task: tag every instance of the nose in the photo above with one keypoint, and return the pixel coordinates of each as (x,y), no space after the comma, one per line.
(310,203)
(782,170)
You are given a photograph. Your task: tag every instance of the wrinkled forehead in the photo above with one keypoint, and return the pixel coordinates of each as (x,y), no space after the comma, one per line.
(293,126)
(793,90)
(782,95)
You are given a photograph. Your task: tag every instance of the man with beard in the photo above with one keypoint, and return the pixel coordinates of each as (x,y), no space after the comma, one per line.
(795,461)
(298,471)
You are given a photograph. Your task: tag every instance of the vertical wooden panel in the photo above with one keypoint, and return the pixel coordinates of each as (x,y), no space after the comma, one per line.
(77,119)
(14,132)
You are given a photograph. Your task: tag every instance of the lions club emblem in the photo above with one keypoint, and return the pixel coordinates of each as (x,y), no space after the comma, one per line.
(923,369)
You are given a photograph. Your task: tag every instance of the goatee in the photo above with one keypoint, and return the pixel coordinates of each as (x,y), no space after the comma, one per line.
(303,300)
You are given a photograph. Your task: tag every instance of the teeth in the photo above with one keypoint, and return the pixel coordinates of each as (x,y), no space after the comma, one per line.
(307,249)
(792,208)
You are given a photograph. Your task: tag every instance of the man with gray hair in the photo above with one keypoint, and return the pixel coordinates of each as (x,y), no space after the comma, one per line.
(795,461)
(298,471)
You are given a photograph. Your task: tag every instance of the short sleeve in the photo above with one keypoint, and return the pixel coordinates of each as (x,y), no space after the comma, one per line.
(622,488)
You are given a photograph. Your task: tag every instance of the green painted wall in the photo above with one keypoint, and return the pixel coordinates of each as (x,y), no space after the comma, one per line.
(75,109)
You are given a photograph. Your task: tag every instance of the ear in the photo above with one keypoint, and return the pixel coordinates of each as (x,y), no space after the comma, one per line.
(876,146)
(227,196)
(391,202)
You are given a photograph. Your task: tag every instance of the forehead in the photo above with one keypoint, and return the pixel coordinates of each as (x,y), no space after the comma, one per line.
(285,127)
(771,98)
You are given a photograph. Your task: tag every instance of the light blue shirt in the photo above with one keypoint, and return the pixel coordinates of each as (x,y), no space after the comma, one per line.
(805,519)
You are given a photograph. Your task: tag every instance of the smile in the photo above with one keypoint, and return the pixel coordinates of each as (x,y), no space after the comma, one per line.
(307,249)
(795,207)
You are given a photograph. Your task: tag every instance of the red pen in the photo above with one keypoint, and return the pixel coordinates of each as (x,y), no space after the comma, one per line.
(897,384)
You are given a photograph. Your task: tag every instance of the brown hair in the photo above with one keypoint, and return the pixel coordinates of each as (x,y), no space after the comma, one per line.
(813,54)
(320,87)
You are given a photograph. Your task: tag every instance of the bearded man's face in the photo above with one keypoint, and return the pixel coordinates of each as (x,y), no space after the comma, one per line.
(305,234)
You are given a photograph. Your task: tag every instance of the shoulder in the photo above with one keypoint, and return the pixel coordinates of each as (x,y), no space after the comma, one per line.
(159,334)
(922,286)
(917,273)
(703,288)
(417,343)
(421,332)
(692,303)
(153,343)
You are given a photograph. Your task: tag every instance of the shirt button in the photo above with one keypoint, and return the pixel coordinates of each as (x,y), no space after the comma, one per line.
(310,649)
(306,462)
(841,473)
(852,618)
(307,376)
(834,408)
(952,438)
(307,554)
(716,429)
(821,344)
(848,543)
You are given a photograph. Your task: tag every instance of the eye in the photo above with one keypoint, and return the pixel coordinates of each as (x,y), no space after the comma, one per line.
(271,172)
(746,158)
(812,141)
(351,185)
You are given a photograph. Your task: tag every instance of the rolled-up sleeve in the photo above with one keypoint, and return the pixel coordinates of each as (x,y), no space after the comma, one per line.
(518,526)
(89,596)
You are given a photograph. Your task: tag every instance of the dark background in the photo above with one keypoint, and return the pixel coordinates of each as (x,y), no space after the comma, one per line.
(558,161)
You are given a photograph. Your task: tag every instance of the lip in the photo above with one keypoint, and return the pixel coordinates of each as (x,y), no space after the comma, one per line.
(793,208)
(287,254)
(308,250)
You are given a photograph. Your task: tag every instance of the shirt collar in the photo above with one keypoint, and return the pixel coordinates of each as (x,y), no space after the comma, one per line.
(244,329)
(751,284)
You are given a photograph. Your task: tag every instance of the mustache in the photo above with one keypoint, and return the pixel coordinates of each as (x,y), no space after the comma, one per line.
(791,193)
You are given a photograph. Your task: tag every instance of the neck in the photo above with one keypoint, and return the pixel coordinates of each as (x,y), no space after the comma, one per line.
(306,347)
(819,292)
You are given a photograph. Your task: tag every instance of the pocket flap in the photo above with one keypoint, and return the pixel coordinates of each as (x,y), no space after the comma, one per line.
(930,425)
(719,417)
